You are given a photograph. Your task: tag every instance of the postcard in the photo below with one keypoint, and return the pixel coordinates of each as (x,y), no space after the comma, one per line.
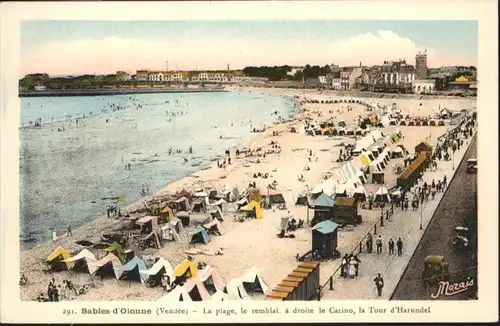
(249,161)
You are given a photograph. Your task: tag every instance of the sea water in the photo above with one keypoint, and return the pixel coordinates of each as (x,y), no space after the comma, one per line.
(68,167)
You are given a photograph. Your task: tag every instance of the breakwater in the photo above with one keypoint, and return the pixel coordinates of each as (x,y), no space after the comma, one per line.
(115,91)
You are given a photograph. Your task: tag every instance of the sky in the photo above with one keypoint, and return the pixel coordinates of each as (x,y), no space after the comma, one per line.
(102,47)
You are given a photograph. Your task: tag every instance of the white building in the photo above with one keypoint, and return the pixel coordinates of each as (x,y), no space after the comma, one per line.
(348,77)
(398,77)
(156,76)
(123,76)
(203,77)
(236,79)
(336,85)
(420,86)
(322,80)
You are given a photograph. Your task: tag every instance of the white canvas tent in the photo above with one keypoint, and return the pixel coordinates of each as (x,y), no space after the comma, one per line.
(211,277)
(254,280)
(196,289)
(360,190)
(216,212)
(177,294)
(376,134)
(168,233)
(130,266)
(96,265)
(236,291)
(85,254)
(161,266)
(385,120)
(176,224)
(327,186)
(84,257)
(382,194)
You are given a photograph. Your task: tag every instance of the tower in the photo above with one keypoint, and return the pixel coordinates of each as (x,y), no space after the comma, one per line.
(421,65)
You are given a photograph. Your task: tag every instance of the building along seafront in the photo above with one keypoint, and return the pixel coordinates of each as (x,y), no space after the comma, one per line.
(229,76)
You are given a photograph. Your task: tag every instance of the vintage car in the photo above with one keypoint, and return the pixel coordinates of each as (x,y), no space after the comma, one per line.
(461,238)
(472,165)
(435,270)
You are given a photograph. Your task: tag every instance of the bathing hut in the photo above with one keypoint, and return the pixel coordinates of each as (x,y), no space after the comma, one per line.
(324,238)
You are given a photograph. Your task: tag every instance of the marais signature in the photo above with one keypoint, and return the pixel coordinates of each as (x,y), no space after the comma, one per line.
(448,289)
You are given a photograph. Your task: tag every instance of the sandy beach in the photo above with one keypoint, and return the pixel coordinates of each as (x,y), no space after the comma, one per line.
(253,242)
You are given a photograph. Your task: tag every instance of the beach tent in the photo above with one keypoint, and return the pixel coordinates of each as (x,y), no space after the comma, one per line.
(105,266)
(275,196)
(131,270)
(148,223)
(326,187)
(220,296)
(57,259)
(219,202)
(376,134)
(253,281)
(216,212)
(364,159)
(169,233)
(235,290)
(201,194)
(116,250)
(301,199)
(396,152)
(242,203)
(176,224)
(382,195)
(182,204)
(212,279)
(323,201)
(200,235)
(360,193)
(385,121)
(81,260)
(340,190)
(196,289)
(214,227)
(167,213)
(254,209)
(134,250)
(177,294)
(186,269)
(184,217)
(160,267)
(197,205)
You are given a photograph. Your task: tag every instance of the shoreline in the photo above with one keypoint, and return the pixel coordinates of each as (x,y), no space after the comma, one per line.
(116,91)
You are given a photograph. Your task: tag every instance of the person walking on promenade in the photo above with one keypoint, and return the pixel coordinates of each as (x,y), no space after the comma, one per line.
(356,264)
(69,231)
(379,283)
(369,243)
(391,246)
(379,244)
(344,266)
(399,244)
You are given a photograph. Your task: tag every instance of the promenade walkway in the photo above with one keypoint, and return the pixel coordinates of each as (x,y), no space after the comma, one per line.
(404,225)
